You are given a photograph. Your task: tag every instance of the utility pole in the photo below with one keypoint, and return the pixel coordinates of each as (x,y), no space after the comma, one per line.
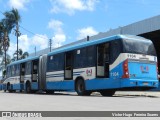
(35,50)
(50,44)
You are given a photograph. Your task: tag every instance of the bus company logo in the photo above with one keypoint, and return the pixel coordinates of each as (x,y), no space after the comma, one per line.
(6,114)
(89,72)
(144,69)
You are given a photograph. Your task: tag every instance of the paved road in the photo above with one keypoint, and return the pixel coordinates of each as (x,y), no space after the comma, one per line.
(122,101)
(62,101)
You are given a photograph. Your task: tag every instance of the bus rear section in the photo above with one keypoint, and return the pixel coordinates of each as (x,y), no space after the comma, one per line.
(139,65)
(139,72)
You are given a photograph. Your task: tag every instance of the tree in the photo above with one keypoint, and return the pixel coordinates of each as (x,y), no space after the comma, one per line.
(4,39)
(13,18)
(21,55)
(3,62)
(8,59)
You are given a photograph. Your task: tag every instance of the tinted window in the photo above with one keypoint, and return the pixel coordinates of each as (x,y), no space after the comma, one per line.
(17,70)
(80,58)
(28,68)
(55,62)
(84,57)
(13,70)
(139,47)
(91,56)
(115,49)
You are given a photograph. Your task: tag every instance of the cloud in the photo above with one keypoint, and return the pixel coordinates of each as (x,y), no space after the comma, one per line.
(19,4)
(70,6)
(55,25)
(12,49)
(40,40)
(27,44)
(58,39)
(84,32)
(58,34)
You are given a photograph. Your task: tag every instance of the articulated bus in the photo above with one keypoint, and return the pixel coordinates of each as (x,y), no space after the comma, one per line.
(120,62)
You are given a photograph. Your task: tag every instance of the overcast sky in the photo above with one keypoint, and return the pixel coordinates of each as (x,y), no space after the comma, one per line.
(66,21)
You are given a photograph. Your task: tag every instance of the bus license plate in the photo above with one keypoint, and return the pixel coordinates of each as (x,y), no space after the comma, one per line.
(145,83)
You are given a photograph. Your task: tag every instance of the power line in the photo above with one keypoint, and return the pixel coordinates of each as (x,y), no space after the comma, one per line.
(32,33)
(28,30)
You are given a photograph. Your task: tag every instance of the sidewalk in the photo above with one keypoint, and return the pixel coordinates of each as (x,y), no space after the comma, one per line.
(138,93)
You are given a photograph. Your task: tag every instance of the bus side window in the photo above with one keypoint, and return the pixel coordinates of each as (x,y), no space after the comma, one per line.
(80,58)
(28,68)
(91,54)
(115,49)
(13,70)
(55,62)
(17,70)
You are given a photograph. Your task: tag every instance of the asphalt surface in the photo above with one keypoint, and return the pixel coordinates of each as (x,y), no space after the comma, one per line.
(62,101)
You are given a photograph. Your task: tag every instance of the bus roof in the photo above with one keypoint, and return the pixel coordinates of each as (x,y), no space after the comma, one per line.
(23,60)
(94,42)
(83,44)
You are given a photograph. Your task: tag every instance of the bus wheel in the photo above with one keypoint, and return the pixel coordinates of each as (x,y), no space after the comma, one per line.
(28,88)
(9,87)
(50,91)
(107,92)
(80,88)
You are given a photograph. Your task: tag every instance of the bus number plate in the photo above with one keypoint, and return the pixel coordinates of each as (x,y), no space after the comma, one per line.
(145,83)
(132,56)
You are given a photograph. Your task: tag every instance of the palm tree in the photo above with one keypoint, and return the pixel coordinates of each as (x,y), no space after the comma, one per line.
(3,62)
(8,60)
(21,55)
(4,39)
(13,18)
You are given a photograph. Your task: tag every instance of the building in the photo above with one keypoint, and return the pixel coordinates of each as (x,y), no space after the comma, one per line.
(148,28)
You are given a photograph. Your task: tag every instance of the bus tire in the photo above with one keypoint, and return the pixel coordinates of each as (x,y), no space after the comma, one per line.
(108,93)
(50,91)
(9,87)
(28,87)
(80,88)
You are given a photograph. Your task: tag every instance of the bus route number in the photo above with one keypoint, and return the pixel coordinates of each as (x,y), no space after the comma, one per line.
(131,56)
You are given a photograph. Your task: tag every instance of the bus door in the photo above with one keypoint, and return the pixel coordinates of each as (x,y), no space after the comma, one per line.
(42,72)
(103,60)
(68,70)
(22,72)
(35,71)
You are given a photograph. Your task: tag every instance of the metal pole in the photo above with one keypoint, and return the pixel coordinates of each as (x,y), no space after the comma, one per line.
(17,33)
(50,44)
(35,50)
(17,45)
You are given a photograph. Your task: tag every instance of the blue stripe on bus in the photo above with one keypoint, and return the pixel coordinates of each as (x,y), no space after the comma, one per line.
(54,76)
(61,85)
(34,85)
(79,72)
(62,74)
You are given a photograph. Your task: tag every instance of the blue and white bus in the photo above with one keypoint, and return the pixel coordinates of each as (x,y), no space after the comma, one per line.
(121,62)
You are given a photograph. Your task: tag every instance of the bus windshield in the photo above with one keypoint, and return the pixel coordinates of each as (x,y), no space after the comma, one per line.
(145,47)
